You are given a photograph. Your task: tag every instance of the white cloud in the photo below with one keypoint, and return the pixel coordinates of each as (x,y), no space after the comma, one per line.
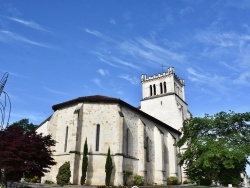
(125,63)
(132,79)
(150,52)
(54,91)
(243,79)
(30,24)
(10,35)
(108,62)
(94,32)
(103,72)
(224,39)
(98,82)
(99,35)
(34,117)
(211,81)
(112,21)
(185,11)
(243,4)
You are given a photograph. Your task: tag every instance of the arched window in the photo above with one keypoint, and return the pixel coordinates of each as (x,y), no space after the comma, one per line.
(66,139)
(165,87)
(97,137)
(127,141)
(161,88)
(147,149)
(154,89)
(150,90)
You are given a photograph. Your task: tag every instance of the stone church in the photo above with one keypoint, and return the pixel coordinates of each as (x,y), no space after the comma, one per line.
(141,140)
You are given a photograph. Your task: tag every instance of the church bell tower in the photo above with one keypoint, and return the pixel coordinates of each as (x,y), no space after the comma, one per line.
(163,97)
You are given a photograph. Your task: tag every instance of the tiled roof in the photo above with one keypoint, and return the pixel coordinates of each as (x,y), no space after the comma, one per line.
(105,99)
(91,99)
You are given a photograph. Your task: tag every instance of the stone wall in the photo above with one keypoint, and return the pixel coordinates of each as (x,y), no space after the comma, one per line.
(137,143)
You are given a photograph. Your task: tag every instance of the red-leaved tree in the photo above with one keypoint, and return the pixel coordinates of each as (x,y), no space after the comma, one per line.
(24,153)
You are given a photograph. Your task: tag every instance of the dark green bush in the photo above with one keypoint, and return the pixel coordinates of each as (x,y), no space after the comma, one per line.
(126,175)
(34,179)
(48,182)
(185,182)
(64,174)
(172,180)
(138,180)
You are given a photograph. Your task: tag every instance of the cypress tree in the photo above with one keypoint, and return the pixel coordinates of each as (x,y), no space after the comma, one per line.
(84,162)
(108,168)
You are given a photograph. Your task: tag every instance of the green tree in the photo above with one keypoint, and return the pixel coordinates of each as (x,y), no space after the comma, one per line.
(64,174)
(84,162)
(217,147)
(25,124)
(108,168)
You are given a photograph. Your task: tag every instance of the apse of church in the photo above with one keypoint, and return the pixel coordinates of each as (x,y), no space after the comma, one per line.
(140,140)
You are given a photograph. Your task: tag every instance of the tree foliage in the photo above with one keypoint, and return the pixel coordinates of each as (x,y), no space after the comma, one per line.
(217,147)
(108,168)
(84,162)
(64,174)
(25,124)
(23,152)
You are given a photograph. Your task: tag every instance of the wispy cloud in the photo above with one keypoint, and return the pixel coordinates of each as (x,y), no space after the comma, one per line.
(19,38)
(244,4)
(186,11)
(212,81)
(98,83)
(139,50)
(30,24)
(108,62)
(150,51)
(224,39)
(103,72)
(13,74)
(18,75)
(132,79)
(125,63)
(54,91)
(243,79)
(114,61)
(229,66)
(225,46)
(34,117)
(94,32)
(99,35)
(112,21)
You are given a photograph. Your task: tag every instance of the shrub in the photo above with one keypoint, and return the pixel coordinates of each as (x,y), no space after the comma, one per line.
(138,180)
(34,179)
(185,182)
(172,180)
(126,175)
(48,182)
(64,174)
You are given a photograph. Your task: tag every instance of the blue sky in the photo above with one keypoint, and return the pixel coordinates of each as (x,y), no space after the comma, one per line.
(56,51)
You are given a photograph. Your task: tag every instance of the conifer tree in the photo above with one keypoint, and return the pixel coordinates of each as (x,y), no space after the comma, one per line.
(108,168)
(84,162)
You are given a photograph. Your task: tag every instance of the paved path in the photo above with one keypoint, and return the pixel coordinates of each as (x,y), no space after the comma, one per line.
(38,185)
